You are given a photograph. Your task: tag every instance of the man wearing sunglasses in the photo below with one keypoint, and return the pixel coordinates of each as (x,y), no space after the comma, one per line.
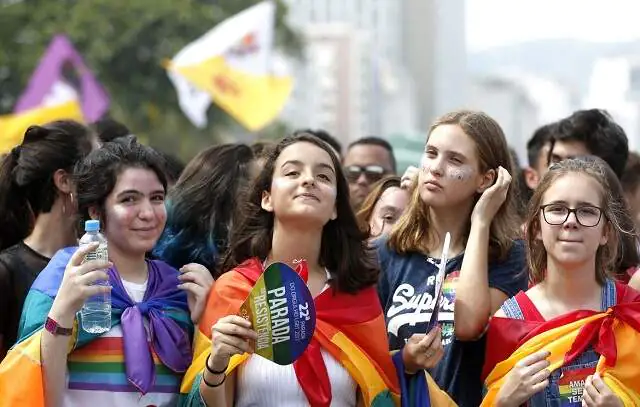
(367,161)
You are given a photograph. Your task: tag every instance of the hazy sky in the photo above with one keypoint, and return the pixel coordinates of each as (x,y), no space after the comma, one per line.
(500,22)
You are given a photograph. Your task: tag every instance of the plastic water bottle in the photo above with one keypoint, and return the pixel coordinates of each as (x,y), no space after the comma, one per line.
(96,311)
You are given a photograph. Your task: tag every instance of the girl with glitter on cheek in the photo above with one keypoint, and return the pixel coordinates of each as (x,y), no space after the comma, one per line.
(462,188)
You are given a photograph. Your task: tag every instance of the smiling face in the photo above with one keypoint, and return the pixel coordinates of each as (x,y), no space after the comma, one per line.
(450,168)
(135,212)
(570,243)
(303,188)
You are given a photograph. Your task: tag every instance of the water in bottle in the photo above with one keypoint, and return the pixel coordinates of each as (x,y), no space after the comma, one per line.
(96,311)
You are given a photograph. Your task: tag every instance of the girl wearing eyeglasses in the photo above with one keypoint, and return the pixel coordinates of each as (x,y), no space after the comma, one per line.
(463,189)
(571,339)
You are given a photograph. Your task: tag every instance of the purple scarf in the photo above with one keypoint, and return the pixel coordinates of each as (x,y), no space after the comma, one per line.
(170,325)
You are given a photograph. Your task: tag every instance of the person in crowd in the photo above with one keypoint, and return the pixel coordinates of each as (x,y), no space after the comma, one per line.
(366,162)
(462,189)
(573,230)
(173,167)
(326,137)
(261,150)
(628,258)
(36,198)
(537,156)
(383,206)
(141,359)
(589,132)
(521,190)
(109,130)
(631,185)
(297,209)
(200,207)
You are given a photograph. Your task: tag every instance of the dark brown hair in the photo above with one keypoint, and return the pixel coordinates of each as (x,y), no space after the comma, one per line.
(344,250)
(411,233)
(613,212)
(27,188)
(631,176)
(369,204)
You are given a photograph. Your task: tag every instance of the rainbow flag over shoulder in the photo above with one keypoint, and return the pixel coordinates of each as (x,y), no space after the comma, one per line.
(349,327)
(614,334)
(102,362)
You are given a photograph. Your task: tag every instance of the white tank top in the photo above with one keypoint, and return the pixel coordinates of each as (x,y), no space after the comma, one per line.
(264,383)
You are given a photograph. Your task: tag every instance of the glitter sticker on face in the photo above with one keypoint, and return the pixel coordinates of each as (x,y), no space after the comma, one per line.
(462,173)
(456,173)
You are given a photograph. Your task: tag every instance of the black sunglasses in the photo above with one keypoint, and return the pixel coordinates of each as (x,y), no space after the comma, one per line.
(373,173)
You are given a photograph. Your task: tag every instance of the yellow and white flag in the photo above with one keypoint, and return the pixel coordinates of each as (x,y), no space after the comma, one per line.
(235,66)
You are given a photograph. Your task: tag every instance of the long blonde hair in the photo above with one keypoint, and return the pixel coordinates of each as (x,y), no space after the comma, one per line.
(411,233)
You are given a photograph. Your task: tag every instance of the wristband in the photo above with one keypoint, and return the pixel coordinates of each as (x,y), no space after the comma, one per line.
(55,329)
(213,371)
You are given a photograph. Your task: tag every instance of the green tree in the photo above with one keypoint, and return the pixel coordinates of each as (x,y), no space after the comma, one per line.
(124,44)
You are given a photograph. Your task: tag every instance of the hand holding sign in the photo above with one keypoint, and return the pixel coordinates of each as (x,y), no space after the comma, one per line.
(442,272)
(282,312)
(424,351)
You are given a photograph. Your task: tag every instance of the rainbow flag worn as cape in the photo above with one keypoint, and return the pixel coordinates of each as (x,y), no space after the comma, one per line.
(350,327)
(613,334)
(158,364)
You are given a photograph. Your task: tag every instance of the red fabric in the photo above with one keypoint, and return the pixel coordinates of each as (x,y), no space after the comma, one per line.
(505,335)
(528,308)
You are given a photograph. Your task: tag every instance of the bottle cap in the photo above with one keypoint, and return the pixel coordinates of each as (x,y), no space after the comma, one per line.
(92,226)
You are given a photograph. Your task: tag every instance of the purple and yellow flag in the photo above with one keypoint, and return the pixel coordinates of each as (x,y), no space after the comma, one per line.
(61,73)
(61,87)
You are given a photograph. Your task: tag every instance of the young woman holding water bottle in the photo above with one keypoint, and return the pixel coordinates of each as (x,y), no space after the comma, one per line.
(140,360)
(462,188)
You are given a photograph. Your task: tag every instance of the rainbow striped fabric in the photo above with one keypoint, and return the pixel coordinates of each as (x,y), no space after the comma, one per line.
(100,366)
(94,362)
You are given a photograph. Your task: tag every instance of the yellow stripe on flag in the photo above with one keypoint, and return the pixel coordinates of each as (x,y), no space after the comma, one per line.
(253,100)
(13,126)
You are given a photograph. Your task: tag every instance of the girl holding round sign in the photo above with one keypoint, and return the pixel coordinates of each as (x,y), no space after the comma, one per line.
(332,326)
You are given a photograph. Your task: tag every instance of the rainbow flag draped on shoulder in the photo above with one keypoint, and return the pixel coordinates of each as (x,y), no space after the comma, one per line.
(613,334)
(133,362)
(349,327)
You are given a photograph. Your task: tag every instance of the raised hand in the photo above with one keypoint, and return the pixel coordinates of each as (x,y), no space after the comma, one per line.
(77,285)
(492,198)
(197,281)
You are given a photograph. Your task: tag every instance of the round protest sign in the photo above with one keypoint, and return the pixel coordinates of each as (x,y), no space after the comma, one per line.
(282,312)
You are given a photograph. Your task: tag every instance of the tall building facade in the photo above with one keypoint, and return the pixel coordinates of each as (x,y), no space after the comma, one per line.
(406,64)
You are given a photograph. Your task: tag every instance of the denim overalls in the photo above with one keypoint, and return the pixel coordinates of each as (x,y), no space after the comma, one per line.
(566,384)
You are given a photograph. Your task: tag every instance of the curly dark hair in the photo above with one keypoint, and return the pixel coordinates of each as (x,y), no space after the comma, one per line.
(96,175)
